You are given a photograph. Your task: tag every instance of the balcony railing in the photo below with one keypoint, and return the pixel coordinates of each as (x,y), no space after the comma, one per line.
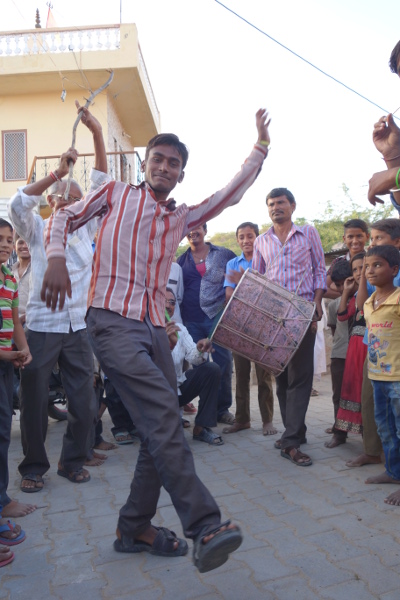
(122,166)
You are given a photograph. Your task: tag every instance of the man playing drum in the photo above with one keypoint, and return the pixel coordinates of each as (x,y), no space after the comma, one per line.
(292,256)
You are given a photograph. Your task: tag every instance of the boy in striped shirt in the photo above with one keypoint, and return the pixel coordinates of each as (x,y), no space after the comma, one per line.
(10,331)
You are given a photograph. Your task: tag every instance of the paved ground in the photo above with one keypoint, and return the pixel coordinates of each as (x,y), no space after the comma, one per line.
(310,533)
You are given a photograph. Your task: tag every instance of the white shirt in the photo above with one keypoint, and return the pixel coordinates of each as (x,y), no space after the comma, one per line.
(185,349)
(79,255)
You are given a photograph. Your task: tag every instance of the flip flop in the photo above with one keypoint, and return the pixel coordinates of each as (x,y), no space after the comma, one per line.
(3,563)
(73,477)
(163,544)
(10,526)
(123,434)
(209,437)
(36,479)
(216,551)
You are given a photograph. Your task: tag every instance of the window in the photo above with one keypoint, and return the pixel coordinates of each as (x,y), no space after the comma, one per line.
(14,155)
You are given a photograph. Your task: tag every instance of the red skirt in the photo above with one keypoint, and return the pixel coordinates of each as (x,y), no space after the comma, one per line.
(349,413)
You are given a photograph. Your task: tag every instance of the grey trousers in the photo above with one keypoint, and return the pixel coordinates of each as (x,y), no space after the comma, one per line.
(73,353)
(293,388)
(371,440)
(265,392)
(136,357)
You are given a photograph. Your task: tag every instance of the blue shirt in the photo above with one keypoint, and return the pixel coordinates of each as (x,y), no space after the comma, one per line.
(234,265)
(204,296)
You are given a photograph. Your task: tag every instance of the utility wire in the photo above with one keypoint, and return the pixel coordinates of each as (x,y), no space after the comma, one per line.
(301,57)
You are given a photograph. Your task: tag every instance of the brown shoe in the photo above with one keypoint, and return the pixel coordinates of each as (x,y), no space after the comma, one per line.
(236,427)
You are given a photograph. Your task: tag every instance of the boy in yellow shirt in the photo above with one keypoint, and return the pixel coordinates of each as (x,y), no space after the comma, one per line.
(382,314)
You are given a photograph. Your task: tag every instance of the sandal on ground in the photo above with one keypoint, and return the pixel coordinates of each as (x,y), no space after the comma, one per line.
(32,477)
(227,418)
(6,561)
(314,392)
(209,437)
(216,551)
(190,409)
(163,544)
(74,476)
(123,437)
(10,526)
(278,443)
(297,457)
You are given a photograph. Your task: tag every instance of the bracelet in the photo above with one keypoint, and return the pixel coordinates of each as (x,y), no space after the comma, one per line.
(393,158)
(397,179)
(54,176)
(264,143)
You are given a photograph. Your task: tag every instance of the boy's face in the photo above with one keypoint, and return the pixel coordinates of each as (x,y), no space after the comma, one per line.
(378,271)
(339,285)
(245,238)
(355,239)
(380,238)
(357,267)
(163,168)
(6,244)
(22,250)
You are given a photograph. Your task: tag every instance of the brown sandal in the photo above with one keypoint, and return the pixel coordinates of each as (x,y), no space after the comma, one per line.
(297,457)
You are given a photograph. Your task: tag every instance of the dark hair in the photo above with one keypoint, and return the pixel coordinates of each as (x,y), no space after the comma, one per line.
(341,270)
(252,226)
(171,292)
(389,226)
(205,226)
(169,139)
(356,224)
(276,192)
(4,223)
(389,253)
(359,256)
(394,58)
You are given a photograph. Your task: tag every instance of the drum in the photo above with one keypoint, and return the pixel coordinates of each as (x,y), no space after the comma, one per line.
(263,322)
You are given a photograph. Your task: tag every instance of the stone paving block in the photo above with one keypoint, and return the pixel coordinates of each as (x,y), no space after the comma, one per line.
(235,503)
(30,562)
(150,593)
(376,543)
(99,526)
(21,588)
(65,521)
(380,579)
(319,570)
(97,508)
(238,585)
(90,589)
(285,543)
(350,589)
(303,523)
(122,576)
(290,588)
(69,543)
(177,580)
(275,504)
(337,547)
(74,568)
(255,521)
(350,526)
(263,564)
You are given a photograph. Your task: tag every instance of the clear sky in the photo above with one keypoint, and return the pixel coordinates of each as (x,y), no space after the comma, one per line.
(210,72)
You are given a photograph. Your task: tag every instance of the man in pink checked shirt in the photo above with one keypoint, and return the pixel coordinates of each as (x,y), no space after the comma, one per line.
(139,233)
(292,256)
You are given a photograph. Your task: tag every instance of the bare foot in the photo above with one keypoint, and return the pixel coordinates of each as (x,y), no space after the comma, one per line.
(393,499)
(382,478)
(329,430)
(335,441)
(99,456)
(93,462)
(269,429)
(105,446)
(12,533)
(235,427)
(363,459)
(17,509)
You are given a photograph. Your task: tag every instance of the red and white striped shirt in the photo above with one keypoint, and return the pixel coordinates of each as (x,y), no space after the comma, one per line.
(138,238)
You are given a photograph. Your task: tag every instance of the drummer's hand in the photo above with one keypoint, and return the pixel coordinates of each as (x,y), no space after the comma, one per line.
(262,123)
(234,276)
(205,345)
(314,327)
(318,310)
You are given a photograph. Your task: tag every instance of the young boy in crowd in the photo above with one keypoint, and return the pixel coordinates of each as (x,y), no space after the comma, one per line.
(340,333)
(246,234)
(384,231)
(355,237)
(10,330)
(382,313)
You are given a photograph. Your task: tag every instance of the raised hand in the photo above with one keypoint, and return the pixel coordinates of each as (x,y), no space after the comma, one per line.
(380,184)
(386,137)
(262,124)
(88,119)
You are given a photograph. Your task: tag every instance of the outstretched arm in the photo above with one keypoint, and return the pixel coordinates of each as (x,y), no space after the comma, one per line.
(386,137)
(95,128)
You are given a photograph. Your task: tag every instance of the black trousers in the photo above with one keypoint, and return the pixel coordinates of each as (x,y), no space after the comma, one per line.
(136,357)
(293,388)
(203,382)
(75,358)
